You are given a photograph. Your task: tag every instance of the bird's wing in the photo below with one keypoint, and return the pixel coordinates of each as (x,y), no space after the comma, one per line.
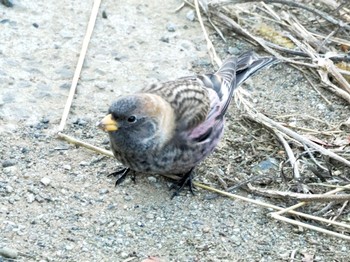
(221,86)
(187,97)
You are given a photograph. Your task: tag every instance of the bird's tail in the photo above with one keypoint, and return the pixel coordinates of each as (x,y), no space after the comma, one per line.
(235,70)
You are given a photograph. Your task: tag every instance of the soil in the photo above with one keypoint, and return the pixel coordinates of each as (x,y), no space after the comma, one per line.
(57,202)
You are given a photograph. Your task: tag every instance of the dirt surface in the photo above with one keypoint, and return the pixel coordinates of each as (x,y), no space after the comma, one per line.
(56,201)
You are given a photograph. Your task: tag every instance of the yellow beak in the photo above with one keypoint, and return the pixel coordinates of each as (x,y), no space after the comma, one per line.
(108,124)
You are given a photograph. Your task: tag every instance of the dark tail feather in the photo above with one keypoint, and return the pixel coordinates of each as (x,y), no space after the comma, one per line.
(236,70)
(249,63)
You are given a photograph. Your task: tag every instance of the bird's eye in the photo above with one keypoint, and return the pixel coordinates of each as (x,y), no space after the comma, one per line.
(132,119)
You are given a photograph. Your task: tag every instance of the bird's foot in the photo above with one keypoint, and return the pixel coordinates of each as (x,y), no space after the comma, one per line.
(121,175)
(186,180)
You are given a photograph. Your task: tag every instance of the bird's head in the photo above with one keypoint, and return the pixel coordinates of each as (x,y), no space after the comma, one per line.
(138,120)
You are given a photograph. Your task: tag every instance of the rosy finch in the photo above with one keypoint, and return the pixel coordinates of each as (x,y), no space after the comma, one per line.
(168,128)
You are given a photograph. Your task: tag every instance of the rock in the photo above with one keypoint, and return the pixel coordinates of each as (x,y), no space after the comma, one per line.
(104,14)
(206,229)
(65,86)
(152,179)
(45,181)
(30,198)
(128,198)
(67,167)
(164,39)
(103,191)
(190,15)
(171,27)
(10,170)
(9,162)
(35,25)
(9,189)
(84,163)
(7,3)
(233,50)
(8,252)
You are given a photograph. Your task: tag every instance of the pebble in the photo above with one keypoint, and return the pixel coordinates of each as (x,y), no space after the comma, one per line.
(65,86)
(103,191)
(206,229)
(233,50)
(84,163)
(9,189)
(150,216)
(8,162)
(8,252)
(30,198)
(80,121)
(104,14)
(128,198)
(190,15)
(67,167)
(45,181)
(7,3)
(152,179)
(124,255)
(164,39)
(10,170)
(171,27)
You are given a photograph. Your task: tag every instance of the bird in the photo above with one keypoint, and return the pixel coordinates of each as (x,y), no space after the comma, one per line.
(169,128)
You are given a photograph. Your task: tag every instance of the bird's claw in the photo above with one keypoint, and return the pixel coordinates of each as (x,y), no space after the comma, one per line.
(121,174)
(186,180)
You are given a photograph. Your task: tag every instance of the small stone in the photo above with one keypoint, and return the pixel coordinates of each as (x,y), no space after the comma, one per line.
(10,170)
(127,198)
(152,179)
(206,229)
(103,191)
(30,198)
(9,189)
(67,167)
(190,15)
(164,39)
(8,162)
(7,3)
(80,122)
(35,25)
(84,163)
(104,14)
(233,50)
(150,216)
(39,199)
(45,181)
(65,86)
(45,120)
(124,255)
(8,252)
(171,27)
(105,141)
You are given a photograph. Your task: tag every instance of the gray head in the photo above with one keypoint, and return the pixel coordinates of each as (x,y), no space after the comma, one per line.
(134,122)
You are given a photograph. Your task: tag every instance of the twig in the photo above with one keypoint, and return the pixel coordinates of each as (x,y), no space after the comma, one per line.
(262,119)
(79,66)
(210,46)
(324,15)
(307,149)
(340,211)
(316,228)
(300,197)
(293,161)
(72,140)
(314,87)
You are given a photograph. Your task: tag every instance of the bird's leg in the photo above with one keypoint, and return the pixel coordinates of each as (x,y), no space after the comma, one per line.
(121,174)
(186,180)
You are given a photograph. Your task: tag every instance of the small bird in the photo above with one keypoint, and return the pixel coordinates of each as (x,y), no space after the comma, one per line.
(169,128)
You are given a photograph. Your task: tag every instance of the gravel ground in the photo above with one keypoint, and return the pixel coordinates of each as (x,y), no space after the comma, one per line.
(56,201)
